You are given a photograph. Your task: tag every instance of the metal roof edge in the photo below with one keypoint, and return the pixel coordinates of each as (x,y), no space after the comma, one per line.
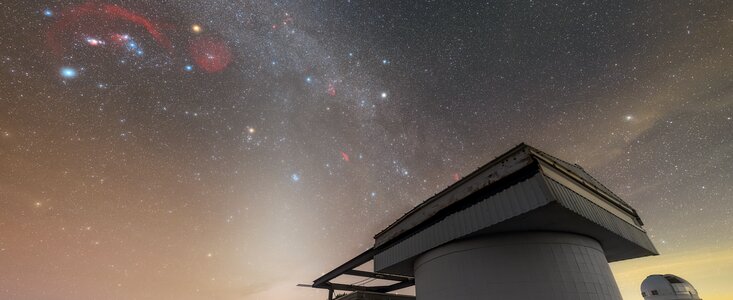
(516,149)
(612,198)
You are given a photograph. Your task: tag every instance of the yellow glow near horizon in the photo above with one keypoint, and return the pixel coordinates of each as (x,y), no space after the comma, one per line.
(710,272)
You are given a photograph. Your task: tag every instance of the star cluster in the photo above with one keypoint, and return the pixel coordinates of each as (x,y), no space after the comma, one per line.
(232,149)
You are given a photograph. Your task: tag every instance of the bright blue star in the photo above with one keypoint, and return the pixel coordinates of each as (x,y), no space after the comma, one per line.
(295,177)
(48,12)
(68,72)
(188,68)
(309,79)
(385,62)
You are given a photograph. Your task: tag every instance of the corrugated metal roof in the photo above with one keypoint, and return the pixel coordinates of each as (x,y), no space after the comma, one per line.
(510,194)
(602,217)
(586,179)
(520,198)
(504,165)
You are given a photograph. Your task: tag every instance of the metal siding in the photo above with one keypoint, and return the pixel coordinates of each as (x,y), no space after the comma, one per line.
(580,172)
(584,207)
(592,194)
(515,200)
(489,211)
(546,265)
(504,165)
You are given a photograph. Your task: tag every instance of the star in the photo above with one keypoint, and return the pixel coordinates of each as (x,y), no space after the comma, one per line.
(197,117)
(196,28)
(68,72)
(91,41)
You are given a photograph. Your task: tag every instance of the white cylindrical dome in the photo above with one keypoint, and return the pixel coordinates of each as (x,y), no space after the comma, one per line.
(667,287)
(517,266)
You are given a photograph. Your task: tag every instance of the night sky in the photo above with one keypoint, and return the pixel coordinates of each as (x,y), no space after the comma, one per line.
(233,149)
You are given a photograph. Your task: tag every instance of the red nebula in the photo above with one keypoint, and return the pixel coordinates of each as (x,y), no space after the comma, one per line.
(90,14)
(456,176)
(210,54)
(345,156)
(331,89)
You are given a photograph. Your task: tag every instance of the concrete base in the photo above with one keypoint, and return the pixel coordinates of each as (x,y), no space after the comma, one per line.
(518,266)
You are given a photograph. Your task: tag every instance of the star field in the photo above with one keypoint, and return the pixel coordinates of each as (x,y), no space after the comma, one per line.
(232,149)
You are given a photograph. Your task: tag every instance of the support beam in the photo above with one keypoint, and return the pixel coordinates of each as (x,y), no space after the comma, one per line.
(354,288)
(361,288)
(352,263)
(377,275)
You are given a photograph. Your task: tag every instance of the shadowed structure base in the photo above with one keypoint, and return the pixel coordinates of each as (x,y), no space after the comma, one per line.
(531,265)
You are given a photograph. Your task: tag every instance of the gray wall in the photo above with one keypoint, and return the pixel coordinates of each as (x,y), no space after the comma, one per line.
(533,265)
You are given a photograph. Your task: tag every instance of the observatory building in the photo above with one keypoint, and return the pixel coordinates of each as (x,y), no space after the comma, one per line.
(667,287)
(526,225)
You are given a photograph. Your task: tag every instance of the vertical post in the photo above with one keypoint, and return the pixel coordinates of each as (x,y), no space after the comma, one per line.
(330,294)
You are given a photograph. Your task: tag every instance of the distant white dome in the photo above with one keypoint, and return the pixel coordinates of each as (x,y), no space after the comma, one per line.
(667,287)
